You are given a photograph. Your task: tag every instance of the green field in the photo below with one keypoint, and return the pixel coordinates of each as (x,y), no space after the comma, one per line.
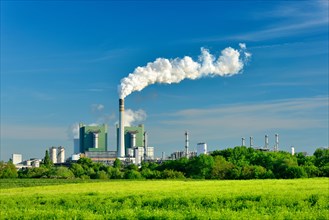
(166,199)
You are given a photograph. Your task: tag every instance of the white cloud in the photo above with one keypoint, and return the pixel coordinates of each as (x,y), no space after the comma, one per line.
(97,107)
(132,117)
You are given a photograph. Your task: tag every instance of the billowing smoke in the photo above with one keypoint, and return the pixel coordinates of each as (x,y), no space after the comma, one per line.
(230,62)
(134,117)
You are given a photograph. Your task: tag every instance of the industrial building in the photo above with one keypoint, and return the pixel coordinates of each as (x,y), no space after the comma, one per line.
(133,137)
(17,158)
(92,138)
(57,154)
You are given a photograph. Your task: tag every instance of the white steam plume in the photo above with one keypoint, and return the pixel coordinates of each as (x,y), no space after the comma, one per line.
(73,131)
(175,70)
(132,117)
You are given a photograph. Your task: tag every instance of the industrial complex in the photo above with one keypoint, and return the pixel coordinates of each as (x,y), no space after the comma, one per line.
(132,146)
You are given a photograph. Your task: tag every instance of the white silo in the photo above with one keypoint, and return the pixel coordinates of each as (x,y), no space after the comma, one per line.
(133,139)
(61,155)
(201,149)
(95,134)
(292,151)
(53,154)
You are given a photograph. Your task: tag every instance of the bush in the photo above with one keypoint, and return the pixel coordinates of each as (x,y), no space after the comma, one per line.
(132,174)
(8,170)
(172,174)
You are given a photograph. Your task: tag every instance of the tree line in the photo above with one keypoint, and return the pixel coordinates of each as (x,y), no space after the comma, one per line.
(232,163)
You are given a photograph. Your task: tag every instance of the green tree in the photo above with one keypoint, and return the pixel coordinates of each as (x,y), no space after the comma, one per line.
(117,163)
(321,157)
(61,173)
(77,170)
(46,160)
(132,174)
(221,168)
(8,170)
(172,174)
(200,167)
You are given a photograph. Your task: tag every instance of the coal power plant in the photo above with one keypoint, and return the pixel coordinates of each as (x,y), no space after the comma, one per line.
(132,144)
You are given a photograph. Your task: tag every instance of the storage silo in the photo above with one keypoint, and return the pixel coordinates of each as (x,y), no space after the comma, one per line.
(201,149)
(53,154)
(61,155)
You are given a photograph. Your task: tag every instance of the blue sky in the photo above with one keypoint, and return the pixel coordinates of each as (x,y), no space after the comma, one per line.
(61,64)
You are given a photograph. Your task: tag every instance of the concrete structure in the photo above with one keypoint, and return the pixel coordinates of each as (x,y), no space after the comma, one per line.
(276,146)
(266,142)
(243,142)
(76,144)
(31,163)
(251,144)
(201,149)
(186,145)
(133,135)
(57,155)
(60,154)
(121,148)
(106,157)
(292,151)
(75,157)
(93,138)
(53,154)
(17,158)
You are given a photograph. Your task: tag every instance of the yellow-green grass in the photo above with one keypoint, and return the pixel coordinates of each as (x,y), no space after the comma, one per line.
(165,199)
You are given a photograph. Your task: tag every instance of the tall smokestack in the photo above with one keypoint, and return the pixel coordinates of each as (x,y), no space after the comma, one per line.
(121,150)
(186,144)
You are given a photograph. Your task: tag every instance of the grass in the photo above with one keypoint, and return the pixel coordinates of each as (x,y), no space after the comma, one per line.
(165,199)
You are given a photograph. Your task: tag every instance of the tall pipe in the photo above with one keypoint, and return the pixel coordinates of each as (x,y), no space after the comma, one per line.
(276,142)
(95,140)
(251,141)
(186,145)
(266,141)
(121,150)
(243,141)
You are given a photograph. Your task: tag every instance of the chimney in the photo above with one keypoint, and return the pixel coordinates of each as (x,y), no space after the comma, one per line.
(243,141)
(266,141)
(251,141)
(121,149)
(186,144)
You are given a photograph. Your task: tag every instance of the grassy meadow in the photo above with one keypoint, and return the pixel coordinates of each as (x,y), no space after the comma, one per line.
(166,199)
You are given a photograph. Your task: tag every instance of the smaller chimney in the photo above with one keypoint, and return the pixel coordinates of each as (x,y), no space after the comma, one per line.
(266,141)
(186,144)
(243,141)
(251,141)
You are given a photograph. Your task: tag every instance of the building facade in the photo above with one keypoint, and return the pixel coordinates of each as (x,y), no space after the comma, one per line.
(93,137)
(134,137)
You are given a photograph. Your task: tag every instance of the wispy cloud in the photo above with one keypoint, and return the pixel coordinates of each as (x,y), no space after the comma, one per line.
(32,132)
(287,19)
(237,120)
(112,54)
